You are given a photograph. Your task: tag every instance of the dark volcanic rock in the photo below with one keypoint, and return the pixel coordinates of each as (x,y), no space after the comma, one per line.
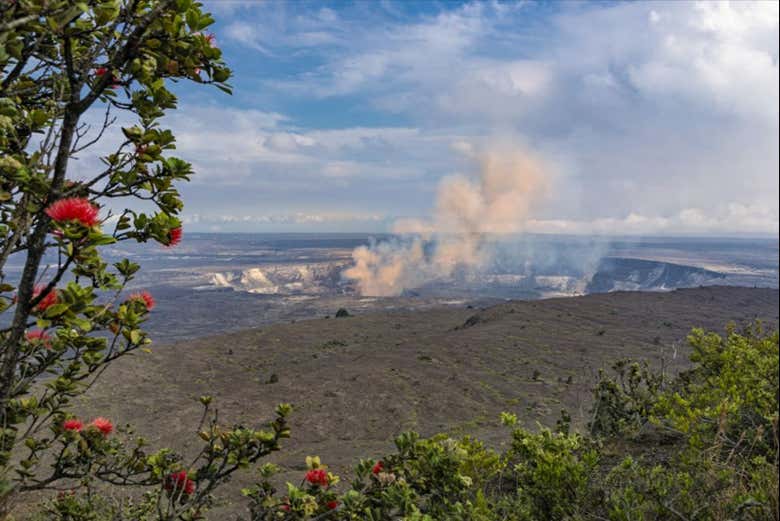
(615,273)
(473,320)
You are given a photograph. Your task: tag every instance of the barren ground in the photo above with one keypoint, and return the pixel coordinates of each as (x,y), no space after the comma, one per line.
(358,381)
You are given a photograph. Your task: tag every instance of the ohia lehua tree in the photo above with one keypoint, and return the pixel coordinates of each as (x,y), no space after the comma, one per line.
(65,313)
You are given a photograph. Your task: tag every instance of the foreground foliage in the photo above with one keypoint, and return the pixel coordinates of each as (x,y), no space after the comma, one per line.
(69,71)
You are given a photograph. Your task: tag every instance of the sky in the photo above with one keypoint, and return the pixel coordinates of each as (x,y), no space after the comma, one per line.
(650,117)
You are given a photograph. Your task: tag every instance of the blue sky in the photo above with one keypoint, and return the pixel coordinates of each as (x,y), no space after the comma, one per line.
(649,117)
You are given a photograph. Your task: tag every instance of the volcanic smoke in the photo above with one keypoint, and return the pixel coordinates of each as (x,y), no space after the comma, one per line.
(471,211)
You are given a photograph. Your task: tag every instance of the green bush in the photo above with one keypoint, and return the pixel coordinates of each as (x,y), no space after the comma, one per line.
(623,402)
(550,473)
(731,395)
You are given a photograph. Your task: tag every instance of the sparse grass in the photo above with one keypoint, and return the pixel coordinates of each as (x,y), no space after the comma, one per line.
(375,372)
(333,344)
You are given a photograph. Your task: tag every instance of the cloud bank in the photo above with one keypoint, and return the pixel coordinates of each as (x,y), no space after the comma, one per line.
(659,117)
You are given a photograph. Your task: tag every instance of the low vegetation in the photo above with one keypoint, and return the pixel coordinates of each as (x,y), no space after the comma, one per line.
(701,445)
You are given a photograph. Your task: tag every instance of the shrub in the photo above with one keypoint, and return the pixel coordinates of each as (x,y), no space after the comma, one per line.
(724,413)
(435,478)
(624,401)
(552,472)
(731,395)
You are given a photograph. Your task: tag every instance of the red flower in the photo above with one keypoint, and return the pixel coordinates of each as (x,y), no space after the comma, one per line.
(332,505)
(211,38)
(73,425)
(377,468)
(285,507)
(101,71)
(104,425)
(39,336)
(174,236)
(144,297)
(49,300)
(179,482)
(74,209)
(317,477)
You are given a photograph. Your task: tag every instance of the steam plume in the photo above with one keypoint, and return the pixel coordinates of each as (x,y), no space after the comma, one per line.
(470,209)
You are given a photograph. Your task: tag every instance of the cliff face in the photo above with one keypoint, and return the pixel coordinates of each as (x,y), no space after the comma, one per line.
(612,274)
(621,274)
(284,279)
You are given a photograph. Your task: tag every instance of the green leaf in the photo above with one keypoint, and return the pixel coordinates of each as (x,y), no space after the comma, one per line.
(106,11)
(83,324)
(193,19)
(103,240)
(221,74)
(132,133)
(56,310)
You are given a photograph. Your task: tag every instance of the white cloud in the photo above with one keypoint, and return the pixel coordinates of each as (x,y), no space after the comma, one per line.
(296,218)
(253,163)
(660,117)
(280,29)
(291,221)
(230,7)
(730,219)
(248,35)
(720,54)
(234,146)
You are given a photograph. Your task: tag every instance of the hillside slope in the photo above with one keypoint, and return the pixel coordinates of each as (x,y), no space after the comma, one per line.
(358,381)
